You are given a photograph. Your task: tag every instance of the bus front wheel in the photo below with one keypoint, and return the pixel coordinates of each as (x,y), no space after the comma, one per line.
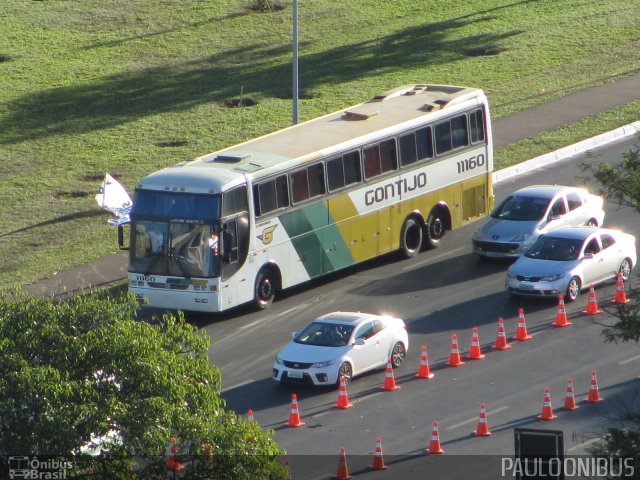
(435,228)
(265,289)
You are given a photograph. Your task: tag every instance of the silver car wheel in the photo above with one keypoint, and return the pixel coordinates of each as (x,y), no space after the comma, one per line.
(397,355)
(573,289)
(625,269)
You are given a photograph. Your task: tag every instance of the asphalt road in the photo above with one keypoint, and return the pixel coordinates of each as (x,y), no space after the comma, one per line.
(438,292)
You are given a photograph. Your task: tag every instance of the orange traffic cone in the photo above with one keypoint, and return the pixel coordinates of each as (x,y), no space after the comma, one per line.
(592,303)
(561,317)
(378,460)
(501,338)
(621,296)
(389,379)
(343,472)
(521,332)
(294,416)
(250,415)
(594,393)
(547,410)
(434,444)
(288,468)
(570,399)
(343,398)
(482,430)
(454,356)
(172,463)
(423,368)
(475,352)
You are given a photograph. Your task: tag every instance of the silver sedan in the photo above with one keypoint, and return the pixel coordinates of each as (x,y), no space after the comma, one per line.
(570,259)
(532,211)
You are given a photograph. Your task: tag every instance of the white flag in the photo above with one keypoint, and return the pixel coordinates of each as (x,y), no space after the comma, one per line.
(114,198)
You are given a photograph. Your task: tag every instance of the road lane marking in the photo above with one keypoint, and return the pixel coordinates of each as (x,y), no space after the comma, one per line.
(237,385)
(433,259)
(475,419)
(629,360)
(582,445)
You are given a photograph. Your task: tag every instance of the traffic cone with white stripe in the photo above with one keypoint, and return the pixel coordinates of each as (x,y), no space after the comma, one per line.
(378,459)
(454,356)
(343,472)
(547,409)
(521,332)
(621,296)
(561,317)
(475,352)
(250,415)
(434,444)
(482,430)
(294,416)
(423,368)
(570,399)
(592,303)
(594,393)
(501,338)
(343,399)
(389,379)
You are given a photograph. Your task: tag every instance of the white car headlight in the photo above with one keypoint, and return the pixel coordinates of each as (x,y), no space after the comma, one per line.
(510,274)
(552,278)
(326,363)
(278,360)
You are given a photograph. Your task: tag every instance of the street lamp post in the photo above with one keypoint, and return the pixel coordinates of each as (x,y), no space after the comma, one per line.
(295,62)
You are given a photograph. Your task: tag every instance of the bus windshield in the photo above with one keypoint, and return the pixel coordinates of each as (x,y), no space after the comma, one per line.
(171,234)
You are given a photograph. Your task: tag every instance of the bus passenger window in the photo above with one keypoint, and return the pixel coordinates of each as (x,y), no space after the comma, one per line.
(335,174)
(408,153)
(316,179)
(443,137)
(371,161)
(352,173)
(459,132)
(476,120)
(299,186)
(388,160)
(424,143)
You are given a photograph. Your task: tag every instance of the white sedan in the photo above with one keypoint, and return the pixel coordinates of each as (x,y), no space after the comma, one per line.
(532,211)
(341,344)
(570,259)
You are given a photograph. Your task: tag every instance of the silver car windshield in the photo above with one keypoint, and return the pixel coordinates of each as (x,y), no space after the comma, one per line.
(325,334)
(520,208)
(555,248)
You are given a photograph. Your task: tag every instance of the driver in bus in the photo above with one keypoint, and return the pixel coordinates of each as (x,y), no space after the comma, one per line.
(213,243)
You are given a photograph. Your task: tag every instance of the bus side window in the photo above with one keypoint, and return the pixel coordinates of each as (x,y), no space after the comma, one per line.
(476,120)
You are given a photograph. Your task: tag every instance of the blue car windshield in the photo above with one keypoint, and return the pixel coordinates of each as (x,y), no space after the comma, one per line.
(520,208)
(325,334)
(554,248)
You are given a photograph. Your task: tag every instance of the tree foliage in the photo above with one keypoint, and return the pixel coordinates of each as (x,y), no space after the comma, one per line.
(84,372)
(619,184)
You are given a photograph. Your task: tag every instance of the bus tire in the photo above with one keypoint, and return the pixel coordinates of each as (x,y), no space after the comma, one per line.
(435,228)
(410,237)
(264,289)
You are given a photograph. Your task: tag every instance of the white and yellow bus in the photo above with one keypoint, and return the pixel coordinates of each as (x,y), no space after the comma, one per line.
(393,173)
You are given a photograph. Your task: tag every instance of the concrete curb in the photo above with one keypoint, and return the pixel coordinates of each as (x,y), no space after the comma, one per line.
(567,152)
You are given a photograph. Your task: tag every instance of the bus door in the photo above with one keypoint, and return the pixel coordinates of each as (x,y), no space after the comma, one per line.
(234,246)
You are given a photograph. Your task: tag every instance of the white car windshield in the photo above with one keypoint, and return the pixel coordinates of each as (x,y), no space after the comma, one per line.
(554,248)
(519,208)
(325,334)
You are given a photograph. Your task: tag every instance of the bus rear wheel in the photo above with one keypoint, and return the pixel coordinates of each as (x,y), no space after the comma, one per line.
(435,229)
(265,289)
(411,238)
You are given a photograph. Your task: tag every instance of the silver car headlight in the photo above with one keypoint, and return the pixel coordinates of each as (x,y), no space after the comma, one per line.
(326,363)
(521,238)
(278,360)
(552,278)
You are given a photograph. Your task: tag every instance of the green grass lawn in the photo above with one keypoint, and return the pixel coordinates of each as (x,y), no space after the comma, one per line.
(131,86)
